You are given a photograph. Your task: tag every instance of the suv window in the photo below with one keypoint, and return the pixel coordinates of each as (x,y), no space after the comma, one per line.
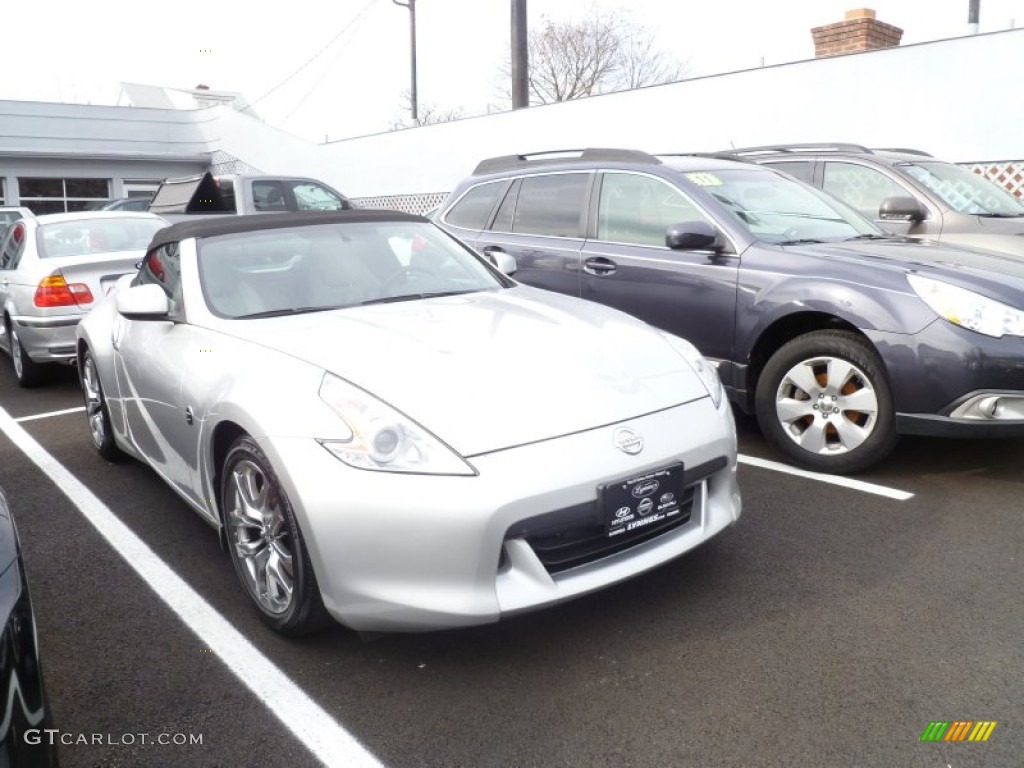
(802,169)
(268,195)
(862,187)
(551,204)
(472,210)
(313,197)
(639,210)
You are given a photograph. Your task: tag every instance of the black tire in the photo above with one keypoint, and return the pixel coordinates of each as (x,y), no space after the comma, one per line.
(28,372)
(248,472)
(840,370)
(96,409)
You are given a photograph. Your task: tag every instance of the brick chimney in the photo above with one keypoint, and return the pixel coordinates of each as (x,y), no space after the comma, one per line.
(860,31)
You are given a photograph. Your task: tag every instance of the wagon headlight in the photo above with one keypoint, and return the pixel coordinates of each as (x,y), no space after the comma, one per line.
(380,438)
(705,371)
(968,309)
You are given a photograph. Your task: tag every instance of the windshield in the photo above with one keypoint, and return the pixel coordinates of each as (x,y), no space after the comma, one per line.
(776,208)
(965,191)
(81,237)
(291,270)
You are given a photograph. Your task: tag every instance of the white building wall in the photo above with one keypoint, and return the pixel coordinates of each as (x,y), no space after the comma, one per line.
(958,99)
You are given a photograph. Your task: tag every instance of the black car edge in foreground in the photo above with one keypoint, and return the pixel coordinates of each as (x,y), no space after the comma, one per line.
(26,713)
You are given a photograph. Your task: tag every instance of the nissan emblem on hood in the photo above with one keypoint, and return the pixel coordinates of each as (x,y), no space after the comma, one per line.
(627,440)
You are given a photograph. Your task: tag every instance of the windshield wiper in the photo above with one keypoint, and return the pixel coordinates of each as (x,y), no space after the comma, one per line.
(282,312)
(413,296)
(868,237)
(1001,215)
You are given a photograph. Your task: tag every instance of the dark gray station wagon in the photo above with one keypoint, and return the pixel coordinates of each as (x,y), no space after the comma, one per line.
(836,335)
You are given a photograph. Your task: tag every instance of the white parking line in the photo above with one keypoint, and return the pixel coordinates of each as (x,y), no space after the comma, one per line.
(846,482)
(308,722)
(79,409)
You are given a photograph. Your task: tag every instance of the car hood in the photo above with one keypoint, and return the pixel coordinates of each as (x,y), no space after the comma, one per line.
(491,370)
(991,233)
(1000,275)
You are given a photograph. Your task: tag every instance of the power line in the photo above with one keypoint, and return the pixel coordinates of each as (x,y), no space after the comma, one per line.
(316,55)
(354,25)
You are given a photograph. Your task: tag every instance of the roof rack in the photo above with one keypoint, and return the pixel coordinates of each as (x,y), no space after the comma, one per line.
(591,154)
(724,155)
(830,146)
(904,151)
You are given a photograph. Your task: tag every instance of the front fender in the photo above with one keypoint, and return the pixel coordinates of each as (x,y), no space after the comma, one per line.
(95,331)
(867,307)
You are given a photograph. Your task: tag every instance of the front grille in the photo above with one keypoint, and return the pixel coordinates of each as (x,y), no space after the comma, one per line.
(574,536)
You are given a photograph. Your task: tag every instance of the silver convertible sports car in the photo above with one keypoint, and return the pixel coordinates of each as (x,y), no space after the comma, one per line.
(387,430)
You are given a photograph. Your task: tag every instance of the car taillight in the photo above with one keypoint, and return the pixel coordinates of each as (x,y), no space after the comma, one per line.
(54,291)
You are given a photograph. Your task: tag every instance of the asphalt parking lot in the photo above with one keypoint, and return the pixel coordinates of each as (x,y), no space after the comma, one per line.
(828,628)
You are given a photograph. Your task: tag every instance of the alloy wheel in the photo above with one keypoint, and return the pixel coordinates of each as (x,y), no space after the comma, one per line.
(260,537)
(827,405)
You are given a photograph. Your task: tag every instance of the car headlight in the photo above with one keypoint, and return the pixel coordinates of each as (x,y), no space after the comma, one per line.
(968,309)
(380,438)
(704,370)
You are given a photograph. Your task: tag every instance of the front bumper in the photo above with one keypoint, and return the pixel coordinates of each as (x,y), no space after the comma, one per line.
(416,552)
(47,339)
(951,382)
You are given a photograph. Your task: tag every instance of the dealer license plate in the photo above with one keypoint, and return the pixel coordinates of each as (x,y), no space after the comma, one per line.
(634,505)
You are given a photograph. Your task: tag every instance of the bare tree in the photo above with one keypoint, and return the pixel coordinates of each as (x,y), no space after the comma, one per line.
(602,52)
(427,114)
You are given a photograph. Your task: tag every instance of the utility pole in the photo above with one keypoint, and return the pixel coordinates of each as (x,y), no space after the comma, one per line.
(520,56)
(411,5)
(973,10)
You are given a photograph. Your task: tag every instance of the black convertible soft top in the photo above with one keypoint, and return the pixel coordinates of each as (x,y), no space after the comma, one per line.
(229,225)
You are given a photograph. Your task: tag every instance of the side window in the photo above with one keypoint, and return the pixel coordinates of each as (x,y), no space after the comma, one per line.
(802,169)
(552,204)
(313,197)
(863,188)
(639,210)
(268,195)
(506,211)
(475,206)
(163,267)
(13,247)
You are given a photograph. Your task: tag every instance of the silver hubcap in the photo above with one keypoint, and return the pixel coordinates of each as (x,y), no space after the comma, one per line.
(93,402)
(260,537)
(827,405)
(16,353)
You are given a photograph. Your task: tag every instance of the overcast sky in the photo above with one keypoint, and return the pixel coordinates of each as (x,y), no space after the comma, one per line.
(338,68)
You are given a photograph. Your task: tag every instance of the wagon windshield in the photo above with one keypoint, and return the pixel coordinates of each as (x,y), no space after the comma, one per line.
(965,191)
(780,209)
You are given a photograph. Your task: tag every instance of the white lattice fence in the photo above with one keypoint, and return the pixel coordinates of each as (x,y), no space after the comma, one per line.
(1005,173)
(418,203)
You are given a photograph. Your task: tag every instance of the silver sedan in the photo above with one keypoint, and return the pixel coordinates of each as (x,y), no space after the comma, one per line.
(387,430)
(53,270)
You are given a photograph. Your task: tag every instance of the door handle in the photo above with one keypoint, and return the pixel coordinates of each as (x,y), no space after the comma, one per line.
(599,265)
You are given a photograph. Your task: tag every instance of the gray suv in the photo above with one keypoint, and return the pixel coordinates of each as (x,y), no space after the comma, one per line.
(905,191)
(839,337)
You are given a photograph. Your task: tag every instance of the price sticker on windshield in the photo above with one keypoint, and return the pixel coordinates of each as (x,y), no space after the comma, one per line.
(704,179)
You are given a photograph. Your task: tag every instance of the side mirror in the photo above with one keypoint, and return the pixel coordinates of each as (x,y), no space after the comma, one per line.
(143,302)
(902,208)
(504,262)
(691,236)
